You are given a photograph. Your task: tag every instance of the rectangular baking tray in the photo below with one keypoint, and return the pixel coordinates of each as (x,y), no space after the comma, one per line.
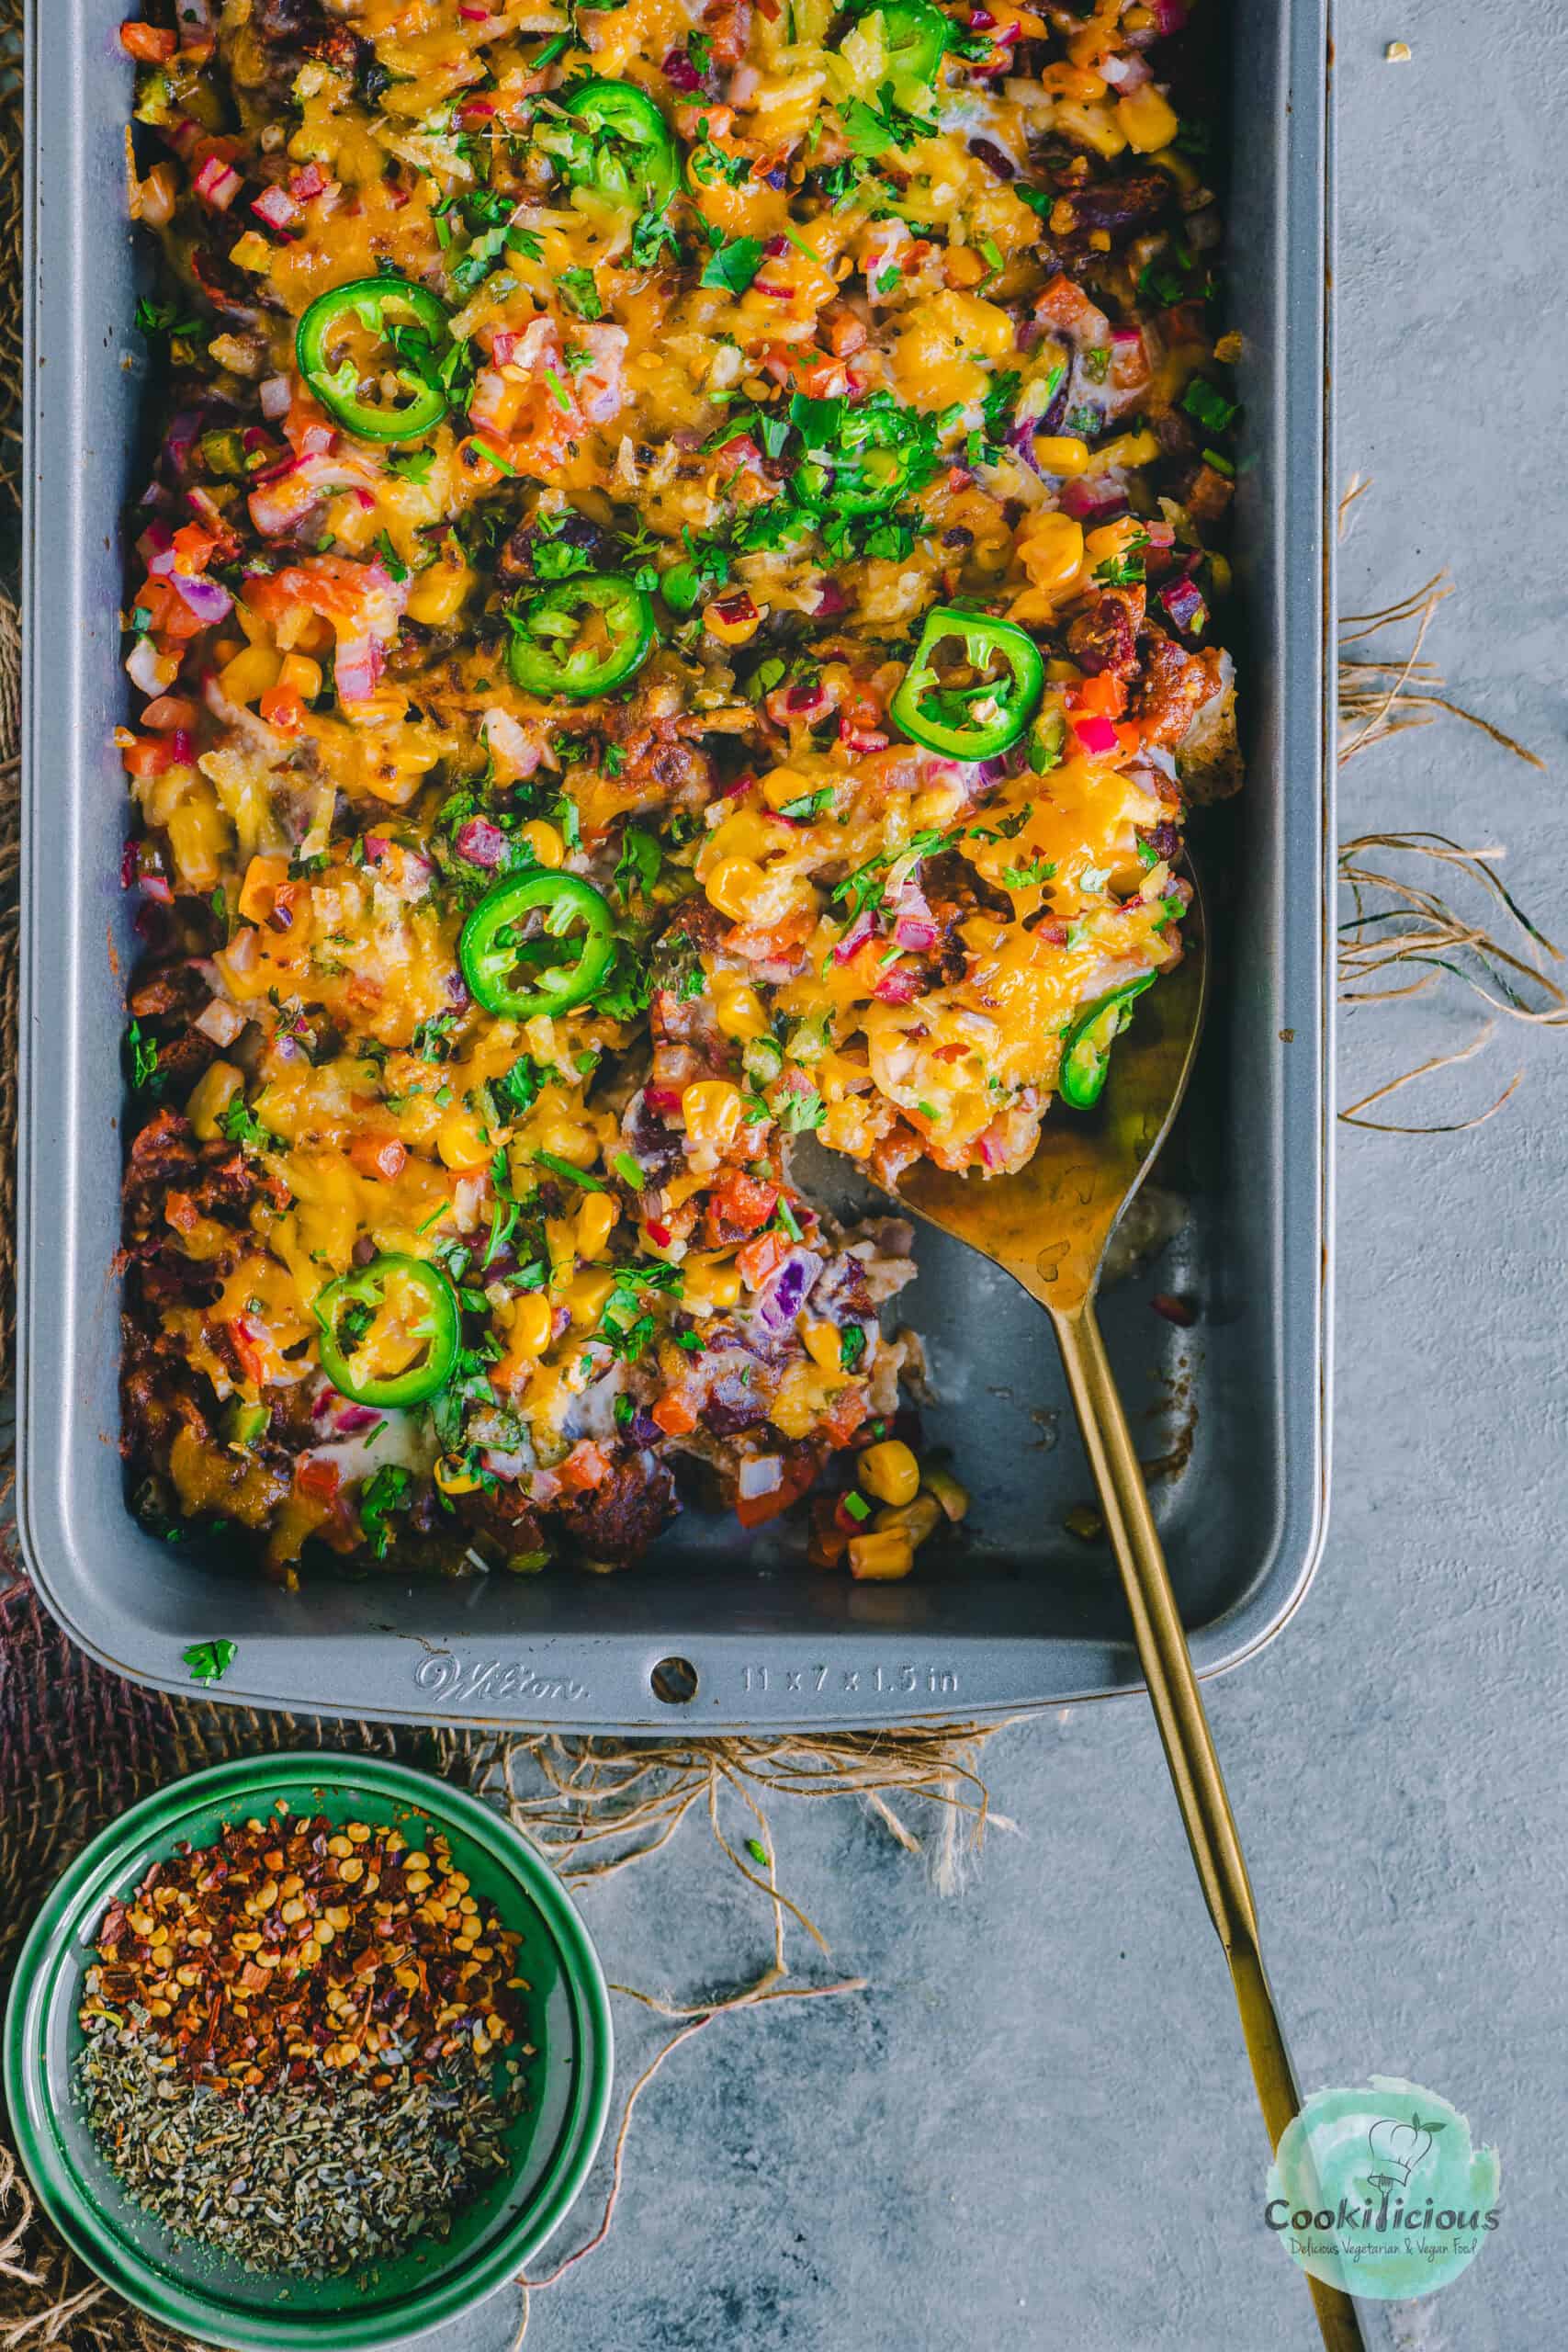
(1018,1611)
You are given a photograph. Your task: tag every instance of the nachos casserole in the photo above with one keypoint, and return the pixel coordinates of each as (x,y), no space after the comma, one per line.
(673,611)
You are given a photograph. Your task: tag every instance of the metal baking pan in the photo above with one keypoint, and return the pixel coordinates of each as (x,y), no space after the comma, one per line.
(1020,1611)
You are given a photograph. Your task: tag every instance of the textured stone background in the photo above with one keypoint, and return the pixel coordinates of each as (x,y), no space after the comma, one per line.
(1037,2127)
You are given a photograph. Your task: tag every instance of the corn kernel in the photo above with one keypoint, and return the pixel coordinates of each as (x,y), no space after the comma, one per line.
(252,251)
(1050,549)
(890,1472)
(961,265)
(247,677)
(544,841)
(1147,120)
(733,887)
(1061,453)
(953,1497)
(743,834)
(531,1320)
(708,1283)
(918,1518)
(595,1222)
(462,1142)
(884,1555)
(1091,124)
(712,1108)
(737,1007)
(210,1097)
(783,786)
(436,596)
(300,675)
(823,1347)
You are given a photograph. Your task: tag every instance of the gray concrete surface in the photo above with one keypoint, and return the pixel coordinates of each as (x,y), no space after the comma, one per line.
(1037,2128)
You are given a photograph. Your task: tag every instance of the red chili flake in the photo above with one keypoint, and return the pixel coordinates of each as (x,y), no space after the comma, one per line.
(1180,1311)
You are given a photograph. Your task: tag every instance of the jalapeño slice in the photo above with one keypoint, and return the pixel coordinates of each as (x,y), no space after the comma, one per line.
(399,1311)
(615,140)
(973,716)
(915,34)
(1086,1048)
(581,638)
(517,973)
(408,323)
(861,456)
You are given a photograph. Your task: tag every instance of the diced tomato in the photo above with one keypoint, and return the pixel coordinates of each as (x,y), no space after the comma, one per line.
(758,1258)
(283,707)
(171,616)
(252,1361)
(319,1478)
(674,1413)
(379,1155)
(584,1468)
(193,549)
(1102,696)
(741,1202)
(150,43)
(166,711)
(147,755)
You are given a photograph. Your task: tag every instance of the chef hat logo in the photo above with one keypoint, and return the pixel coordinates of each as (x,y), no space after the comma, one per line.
(1400,2147)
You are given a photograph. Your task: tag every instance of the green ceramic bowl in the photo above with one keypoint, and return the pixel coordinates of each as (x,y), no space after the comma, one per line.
(552,2142)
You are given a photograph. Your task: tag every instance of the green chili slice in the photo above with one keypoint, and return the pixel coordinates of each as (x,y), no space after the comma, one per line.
(410,323)
(397,1298)
(973,716)
(915,34)
(615,140)
(581,638)
(861,456)
(517,973)
(1086,1048)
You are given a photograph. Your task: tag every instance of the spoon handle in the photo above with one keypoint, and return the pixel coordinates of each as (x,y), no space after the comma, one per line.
(1188,1744)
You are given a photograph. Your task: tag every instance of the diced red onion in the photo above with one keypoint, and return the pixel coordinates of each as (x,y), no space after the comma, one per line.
(1169,16)
(916,932)
(218,183)
(664,1099)
(358,668)
(896,984)
(831,601)
(143,666)
(307,182)
(787,1288)
(1090,499)
(208,599)
(156,887)
(278,208)
(761,1474)
(680,70)
(1183,601)
(510,740)
(482,844)
(1127,72)
(862,928)
(220,1021)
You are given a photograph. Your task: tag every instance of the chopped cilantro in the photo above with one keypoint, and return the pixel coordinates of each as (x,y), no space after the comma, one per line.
(733,265)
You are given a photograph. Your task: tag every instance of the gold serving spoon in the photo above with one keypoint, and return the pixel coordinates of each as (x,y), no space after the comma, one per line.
(1048,1227)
